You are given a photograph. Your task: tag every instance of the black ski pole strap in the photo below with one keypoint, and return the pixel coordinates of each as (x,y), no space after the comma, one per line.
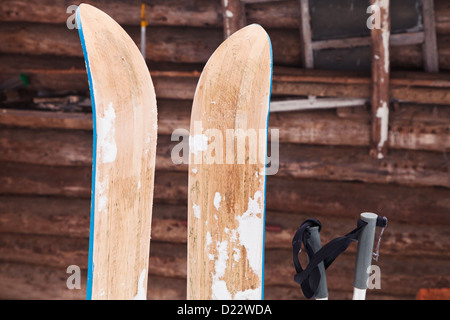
(309,287)
(309,277)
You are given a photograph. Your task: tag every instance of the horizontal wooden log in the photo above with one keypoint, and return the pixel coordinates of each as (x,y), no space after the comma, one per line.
(424,131)
(69,218)
(197,13)
(169,260)
(69,74)
(403,39)
(180,44)
(21,281)
(442,13)
(172,44)
(59,73)
(74,147)
(31,282)
(344,199)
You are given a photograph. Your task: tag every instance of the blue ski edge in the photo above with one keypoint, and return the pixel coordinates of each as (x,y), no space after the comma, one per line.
(94,153)
(265,173)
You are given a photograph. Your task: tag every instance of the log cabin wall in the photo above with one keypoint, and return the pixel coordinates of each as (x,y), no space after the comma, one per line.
(325,168)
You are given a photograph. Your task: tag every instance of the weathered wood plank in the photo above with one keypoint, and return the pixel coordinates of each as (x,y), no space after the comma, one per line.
(430,49)
(169,260)
(69,218)
(421,132)
(306,35)
(68,74)
(380,81)
(25,282)
(233,13)
(334,198)
(195,13)
(181,44)
(403,39)
(74,148)
(170,44)
(21,281)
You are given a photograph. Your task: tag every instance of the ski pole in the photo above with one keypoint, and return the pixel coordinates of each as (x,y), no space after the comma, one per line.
(316,244)
(364,256)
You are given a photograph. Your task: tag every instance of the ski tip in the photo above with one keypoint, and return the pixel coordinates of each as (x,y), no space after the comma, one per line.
(251,33)
(249,41)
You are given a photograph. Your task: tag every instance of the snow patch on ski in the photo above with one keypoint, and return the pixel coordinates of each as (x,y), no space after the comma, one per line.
(197,211)
(198,143)
(249,229)
(141,294)
(219,287)
(102,201)
(217,199)
(249,294)
(105,135)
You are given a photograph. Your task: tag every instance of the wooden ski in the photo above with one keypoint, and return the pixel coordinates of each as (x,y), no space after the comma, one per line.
(228,145)
(125,131)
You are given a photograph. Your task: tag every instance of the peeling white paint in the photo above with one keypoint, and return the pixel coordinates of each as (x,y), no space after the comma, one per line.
(197,211)
(229,14)
(141,294)
(101,199)
(250,229)
(194,170)
(385,36)
(198,143)
(217,199)
(383,115)
(236,254)
(208,238)
(106,142)
(249,294)
(219,287)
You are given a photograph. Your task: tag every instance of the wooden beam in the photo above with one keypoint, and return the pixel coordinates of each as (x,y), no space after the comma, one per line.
(423,128)
(69,74)
(62,218)
(380,80)
(430,49)
(233,12)
(403,39)
(334,198)
(412,168)
(22,281)
(306,35)
(169,260)
(314,104)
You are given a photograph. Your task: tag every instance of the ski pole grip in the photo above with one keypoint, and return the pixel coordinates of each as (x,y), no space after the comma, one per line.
(364,251)
(316,244)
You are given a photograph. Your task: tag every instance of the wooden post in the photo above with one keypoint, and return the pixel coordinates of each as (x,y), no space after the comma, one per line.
(429,47)
(305,26)
(233,16)
(380,35)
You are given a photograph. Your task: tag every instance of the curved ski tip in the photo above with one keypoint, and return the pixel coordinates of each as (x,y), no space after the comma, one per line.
(93,15)
(86,6)
(254,31)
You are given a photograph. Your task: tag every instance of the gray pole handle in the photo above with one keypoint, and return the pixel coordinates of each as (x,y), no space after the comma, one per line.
(365,250)
(316,244)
